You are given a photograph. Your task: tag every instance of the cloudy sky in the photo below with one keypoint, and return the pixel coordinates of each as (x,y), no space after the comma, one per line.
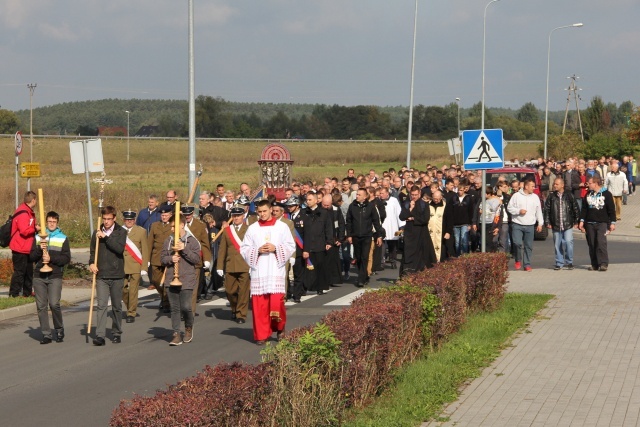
(346,52)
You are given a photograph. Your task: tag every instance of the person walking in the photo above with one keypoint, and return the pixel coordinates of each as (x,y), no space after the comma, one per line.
(53,250)
(418,251)
(136,259)
(597,219)
(109,271)
(363,226)
(616,184)
(561,214)
(526,211)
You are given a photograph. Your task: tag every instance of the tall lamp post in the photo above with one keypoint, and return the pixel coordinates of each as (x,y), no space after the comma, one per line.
(546,108)
(483,241)
(458,102)
(192,102)
(128,112)
(413,66)
(32,88)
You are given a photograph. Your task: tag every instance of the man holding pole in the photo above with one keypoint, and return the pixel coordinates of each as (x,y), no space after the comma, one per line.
(109,242)
(266,248)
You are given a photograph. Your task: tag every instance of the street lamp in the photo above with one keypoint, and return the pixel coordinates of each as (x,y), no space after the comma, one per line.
(413,66)
(546,108)
(127,134)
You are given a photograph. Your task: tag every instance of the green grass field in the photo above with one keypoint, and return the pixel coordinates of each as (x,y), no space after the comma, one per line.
(156,166)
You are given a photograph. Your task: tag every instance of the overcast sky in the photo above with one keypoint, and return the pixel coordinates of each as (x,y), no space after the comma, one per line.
(345,52)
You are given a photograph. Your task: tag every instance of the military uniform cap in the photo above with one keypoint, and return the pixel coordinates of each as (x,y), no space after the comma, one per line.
(129,214)
(244,200)
(278,204)
(237,210)
(294,200)
(187,209)
(166,209)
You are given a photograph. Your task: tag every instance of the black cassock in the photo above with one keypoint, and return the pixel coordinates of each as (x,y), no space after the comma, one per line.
(418,249)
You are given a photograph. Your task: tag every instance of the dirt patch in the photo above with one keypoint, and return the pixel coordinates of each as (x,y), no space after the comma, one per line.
(76,283)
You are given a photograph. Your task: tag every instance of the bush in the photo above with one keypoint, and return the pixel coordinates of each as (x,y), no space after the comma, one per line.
(486,279)
(6,271)
(226,395)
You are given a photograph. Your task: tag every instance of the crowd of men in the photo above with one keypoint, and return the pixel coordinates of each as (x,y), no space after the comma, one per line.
(309,237)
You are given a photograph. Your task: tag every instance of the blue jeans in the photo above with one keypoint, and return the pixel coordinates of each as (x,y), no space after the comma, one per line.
(523,242)
(563,241)
(461,236)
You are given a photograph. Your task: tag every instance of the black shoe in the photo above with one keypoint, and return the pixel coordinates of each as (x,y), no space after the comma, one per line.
(358,284)
(557,267)
(346,276)
(130,319)
(116,339)
(366,284)
(233,316)
(166,310)
(208,297)
(320,292)
(45,340)
(394,265)
(98,341)
(569,266)
(297,300)
(60,336)
(336,285)
(592,268)
(241,321)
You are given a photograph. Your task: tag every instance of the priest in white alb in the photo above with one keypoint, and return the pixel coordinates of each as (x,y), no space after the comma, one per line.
(266,248)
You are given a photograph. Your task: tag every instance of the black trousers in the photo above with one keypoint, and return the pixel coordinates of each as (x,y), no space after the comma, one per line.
(22,278)
(297,289)
(597,241)
(317,279)
(361,251)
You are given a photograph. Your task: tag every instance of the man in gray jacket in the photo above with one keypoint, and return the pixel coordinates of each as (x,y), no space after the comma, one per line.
(526,211)
(111,239)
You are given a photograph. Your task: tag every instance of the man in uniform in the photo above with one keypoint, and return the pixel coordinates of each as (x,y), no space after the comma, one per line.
(157,235)
(199,231)
(297,289)
(136,259)
(233,267)
(249,216)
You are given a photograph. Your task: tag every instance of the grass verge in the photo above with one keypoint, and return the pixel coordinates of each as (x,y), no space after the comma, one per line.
(425,386)
(15,302)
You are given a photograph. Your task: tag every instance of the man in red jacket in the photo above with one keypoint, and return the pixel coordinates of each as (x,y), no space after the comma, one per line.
(23,232)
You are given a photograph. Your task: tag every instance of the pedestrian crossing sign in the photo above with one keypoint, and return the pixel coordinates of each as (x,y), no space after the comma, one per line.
(483,149)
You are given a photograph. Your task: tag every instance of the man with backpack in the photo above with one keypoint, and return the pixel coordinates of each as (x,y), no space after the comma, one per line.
(23,232)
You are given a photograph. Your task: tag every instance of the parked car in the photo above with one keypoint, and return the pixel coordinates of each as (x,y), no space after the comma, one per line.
(521,174)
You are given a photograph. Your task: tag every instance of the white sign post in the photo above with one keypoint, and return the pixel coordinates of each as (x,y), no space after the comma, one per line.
(86,156)
(18,140)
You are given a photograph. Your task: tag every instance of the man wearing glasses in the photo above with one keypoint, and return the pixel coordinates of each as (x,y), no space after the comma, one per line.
(111,239)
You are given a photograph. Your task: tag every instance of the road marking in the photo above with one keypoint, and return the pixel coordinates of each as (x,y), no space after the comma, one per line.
(347,299)
(220,302)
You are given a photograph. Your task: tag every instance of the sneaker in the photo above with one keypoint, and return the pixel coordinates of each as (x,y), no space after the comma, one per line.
(60,336)
(604,267)
(45,340)
(517,265)
(116,339)
(557,267)
(528,268)
(569,266)
(188,334)
(177,340)
(592,268)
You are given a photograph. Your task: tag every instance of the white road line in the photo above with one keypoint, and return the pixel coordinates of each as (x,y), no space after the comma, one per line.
(347,299)
(220,302)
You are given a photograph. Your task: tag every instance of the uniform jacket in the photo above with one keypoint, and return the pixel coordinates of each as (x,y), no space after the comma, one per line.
(298,225)
(551,211)
(157,235)
(23,230)
(199,231)
(138,237)
(111,253)
(229,258)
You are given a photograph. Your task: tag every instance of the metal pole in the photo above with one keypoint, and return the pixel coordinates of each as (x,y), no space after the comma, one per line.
(17,198)
(127,135)
(458,102)
(546,108)
(32,88)
(483,233)
(413,67)
(86,175)
(192,103)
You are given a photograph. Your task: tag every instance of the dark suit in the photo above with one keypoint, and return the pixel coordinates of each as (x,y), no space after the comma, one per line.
(318,233)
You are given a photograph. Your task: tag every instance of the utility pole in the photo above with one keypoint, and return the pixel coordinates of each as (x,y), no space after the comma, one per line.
(573,91)
(32,88)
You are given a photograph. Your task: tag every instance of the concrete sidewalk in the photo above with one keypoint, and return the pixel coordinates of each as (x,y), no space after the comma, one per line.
(579,362)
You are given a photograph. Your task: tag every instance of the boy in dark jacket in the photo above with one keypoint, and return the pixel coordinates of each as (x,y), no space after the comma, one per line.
(109,271)
(597,219)
(48,286)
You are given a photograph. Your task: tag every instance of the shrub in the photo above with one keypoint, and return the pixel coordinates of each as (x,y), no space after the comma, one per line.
(307,378)
(486,278)
(226,395)
(6,271)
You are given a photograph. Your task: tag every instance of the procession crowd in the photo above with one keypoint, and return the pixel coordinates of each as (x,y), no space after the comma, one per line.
(308,238)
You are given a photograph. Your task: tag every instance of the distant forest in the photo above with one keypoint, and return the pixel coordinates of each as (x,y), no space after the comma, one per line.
(218,118)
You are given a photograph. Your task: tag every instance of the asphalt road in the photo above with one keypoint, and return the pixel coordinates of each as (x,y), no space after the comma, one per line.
(76,384)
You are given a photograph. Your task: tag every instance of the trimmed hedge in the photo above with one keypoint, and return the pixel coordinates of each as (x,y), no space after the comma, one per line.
(316,372)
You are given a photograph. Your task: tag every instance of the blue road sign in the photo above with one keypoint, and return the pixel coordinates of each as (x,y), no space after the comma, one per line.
(482,149)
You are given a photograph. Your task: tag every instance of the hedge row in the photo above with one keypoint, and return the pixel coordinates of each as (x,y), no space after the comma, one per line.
(313,375)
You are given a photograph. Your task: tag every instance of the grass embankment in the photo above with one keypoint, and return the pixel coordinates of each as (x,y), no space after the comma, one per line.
(435,380)
(156,166)
(15,302)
